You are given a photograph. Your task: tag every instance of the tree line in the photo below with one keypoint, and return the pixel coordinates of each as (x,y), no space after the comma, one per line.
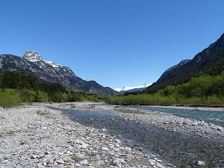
(203,89)
(30,89)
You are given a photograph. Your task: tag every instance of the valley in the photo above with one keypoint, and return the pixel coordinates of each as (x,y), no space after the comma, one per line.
(111,84)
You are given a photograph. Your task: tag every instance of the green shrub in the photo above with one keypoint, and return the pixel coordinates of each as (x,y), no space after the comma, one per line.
(201,90)
(215,100)
(41,96)
(27,88)
(9,98)
(27,95)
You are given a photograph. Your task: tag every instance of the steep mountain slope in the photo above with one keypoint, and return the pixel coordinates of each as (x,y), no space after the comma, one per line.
(50,72)
(209,61)
(169,70)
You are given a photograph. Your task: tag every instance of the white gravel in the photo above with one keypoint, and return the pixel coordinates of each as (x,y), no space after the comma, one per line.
(38,136)
(163,120)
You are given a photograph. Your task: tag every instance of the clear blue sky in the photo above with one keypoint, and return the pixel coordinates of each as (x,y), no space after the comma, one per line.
(115,42)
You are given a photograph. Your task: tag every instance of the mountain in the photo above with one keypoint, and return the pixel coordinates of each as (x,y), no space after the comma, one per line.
(132,89)
(208,61)
(49,72)
(172,68)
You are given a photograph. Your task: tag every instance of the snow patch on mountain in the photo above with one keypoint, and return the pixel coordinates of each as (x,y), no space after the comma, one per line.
(49,72)
(34,56)
(53,64)
(127,88)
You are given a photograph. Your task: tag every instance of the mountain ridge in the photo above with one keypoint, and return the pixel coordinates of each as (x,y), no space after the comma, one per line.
(208,61)
(47,71)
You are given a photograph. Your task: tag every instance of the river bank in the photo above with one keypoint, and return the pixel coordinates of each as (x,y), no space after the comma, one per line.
(181,141)
(39,136)
(99,135)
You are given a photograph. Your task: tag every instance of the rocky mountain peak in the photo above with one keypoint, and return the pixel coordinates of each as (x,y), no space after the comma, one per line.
(32,56)
(35,57)
(49,72)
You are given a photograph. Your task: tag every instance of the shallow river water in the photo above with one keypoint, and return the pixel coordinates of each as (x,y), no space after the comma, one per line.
(209,116)
(180,150)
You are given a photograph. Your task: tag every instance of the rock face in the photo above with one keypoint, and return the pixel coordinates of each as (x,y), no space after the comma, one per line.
(209,61)
(50,72)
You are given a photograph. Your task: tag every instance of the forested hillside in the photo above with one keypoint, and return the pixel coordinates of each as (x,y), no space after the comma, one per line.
(209,61)
(17,87)
(201,90)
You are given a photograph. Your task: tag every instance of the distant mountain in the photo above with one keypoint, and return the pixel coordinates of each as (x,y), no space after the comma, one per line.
(132,89)
(49,72)
(208,61)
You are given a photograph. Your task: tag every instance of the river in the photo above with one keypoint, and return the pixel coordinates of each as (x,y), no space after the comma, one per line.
(176,148)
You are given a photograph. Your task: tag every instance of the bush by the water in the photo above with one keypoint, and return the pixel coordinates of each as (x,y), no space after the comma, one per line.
(201,90)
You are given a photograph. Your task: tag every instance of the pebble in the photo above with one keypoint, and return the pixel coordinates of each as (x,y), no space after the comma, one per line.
(219,128)
(81,143)
(33,157)
(105,148)
(47,153)
(200,163)
(104,129)
(77,165)
(118,162)
(69,153)
(84,162)
(194,124)
(60,161)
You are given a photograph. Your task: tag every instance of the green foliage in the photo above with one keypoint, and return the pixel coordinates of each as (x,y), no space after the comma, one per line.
(18,87)
(10,80)
(27,95)
(33,96)
(74,96)
(143,99)
(17,80)
(201,90)
(9,98)
(41,96)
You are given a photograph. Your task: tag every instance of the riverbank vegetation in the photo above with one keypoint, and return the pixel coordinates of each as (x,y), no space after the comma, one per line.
(204,90)
(17,88)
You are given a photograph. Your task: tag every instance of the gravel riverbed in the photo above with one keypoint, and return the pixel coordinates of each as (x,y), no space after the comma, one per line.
(98,135)
(40,136)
